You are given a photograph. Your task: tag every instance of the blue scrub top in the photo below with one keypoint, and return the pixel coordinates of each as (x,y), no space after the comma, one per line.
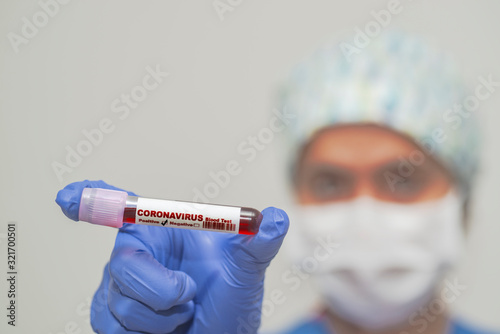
(318,326)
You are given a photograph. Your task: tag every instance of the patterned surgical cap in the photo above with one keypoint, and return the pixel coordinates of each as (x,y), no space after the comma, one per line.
(397,82)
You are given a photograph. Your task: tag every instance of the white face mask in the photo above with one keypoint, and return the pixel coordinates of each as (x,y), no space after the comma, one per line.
(390,257)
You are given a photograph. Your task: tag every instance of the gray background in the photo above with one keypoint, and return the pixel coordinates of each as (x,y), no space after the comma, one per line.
(222,76)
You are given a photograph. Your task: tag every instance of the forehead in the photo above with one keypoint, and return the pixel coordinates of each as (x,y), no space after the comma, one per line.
(357,145)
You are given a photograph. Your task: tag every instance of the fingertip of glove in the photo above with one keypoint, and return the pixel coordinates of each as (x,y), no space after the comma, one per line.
(69,197)
(275,222)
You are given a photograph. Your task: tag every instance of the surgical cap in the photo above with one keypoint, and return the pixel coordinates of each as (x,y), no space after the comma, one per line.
(397,82)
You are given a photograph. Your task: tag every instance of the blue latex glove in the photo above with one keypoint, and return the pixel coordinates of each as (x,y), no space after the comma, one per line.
(167,280)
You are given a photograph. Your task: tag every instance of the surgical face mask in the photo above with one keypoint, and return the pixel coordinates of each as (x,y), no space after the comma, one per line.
(388,258)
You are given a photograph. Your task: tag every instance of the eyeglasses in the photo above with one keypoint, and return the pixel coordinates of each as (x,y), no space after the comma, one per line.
(324,182)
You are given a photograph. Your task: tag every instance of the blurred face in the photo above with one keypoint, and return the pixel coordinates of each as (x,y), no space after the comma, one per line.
(394,244)
(344,162)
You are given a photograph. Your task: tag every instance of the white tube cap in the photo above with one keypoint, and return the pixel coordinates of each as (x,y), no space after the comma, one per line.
(102,206)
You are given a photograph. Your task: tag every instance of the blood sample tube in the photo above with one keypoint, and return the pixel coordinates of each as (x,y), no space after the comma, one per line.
(113,208)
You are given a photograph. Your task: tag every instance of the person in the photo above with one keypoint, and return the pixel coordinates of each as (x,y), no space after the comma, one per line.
(384,150)
(383,156)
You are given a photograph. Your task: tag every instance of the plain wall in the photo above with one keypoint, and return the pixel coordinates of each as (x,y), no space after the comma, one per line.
(219,91)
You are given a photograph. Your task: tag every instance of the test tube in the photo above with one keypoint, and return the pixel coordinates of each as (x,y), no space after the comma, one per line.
(114,208)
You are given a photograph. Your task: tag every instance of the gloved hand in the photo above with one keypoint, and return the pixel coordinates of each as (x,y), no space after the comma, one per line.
(167,280)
